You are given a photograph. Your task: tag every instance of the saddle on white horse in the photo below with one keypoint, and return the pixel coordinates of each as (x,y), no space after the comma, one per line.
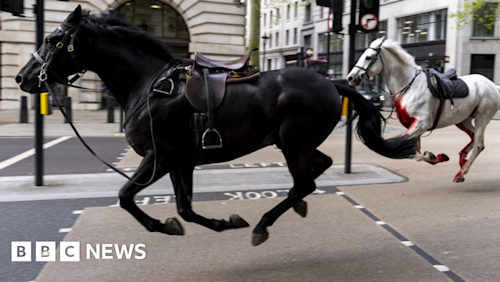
(446,85)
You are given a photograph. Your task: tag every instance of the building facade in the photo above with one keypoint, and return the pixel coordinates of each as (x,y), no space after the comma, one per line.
(215,28)
(424,28)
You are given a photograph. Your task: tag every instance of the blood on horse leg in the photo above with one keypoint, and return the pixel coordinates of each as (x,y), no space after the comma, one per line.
(463,153)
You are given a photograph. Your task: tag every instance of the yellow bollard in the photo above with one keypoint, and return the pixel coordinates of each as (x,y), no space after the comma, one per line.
(44,103)
(345,105)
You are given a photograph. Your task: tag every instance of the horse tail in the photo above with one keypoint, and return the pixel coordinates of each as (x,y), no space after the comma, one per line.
(369,128)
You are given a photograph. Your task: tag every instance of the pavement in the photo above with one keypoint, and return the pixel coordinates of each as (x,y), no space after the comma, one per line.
(388,220)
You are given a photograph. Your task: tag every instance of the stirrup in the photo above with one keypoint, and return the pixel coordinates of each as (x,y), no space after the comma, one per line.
(216,146)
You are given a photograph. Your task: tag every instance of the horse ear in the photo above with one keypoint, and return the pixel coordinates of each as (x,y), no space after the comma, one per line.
(75,17)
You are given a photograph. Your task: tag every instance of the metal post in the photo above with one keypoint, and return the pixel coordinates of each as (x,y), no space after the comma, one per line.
(39,10)
(68,109)
(121,119)
(24,110)
(352,45)
(111,109)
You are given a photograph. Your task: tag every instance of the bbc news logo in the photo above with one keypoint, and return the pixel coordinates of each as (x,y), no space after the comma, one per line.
(46,251)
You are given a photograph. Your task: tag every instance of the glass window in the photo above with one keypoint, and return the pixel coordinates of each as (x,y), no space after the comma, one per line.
(158,19)
(363,40)
(307,41)
(307,16)
(422,27)
(336,43)
(484,21)
(483,64)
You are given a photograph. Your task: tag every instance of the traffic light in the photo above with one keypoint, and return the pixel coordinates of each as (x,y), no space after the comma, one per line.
(16,7)
(368,15)
(336,8)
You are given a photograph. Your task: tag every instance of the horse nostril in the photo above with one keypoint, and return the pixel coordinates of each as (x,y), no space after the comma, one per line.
(19,79)
(350,78)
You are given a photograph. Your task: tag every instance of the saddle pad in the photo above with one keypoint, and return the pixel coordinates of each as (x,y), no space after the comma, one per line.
(460,89)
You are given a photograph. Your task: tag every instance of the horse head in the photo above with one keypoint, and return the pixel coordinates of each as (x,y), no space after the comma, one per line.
(53,61)
(368,64)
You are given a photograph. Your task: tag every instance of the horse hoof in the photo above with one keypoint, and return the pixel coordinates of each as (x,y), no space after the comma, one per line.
(173,227)
(258,239)
(443,158)
(237,221)
(459,179)
(301,208)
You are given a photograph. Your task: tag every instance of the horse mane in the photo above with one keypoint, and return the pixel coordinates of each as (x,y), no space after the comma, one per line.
(395,48)
(120,31)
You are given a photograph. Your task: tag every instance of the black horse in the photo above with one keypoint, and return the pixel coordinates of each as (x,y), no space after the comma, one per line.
(293,108)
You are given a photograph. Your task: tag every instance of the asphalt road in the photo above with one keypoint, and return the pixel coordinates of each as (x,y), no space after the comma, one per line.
(67,157)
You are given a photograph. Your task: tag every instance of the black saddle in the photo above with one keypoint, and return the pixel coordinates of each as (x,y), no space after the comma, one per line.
(446,85)
(206,88)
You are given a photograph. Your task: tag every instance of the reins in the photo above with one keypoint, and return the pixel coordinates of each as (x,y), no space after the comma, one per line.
(42,77)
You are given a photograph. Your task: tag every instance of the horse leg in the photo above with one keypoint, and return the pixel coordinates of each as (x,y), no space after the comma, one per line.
(477,148)
(182,180)
(416,130)
(468,128)
(319,162)
(131,188)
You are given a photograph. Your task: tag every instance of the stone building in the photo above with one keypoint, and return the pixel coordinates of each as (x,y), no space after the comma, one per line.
(213,27)
(423,27)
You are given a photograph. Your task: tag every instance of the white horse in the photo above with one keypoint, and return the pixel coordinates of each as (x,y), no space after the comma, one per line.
(419,111)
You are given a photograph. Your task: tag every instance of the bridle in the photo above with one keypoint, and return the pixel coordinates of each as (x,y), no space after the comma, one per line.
(374,59)
(69,34)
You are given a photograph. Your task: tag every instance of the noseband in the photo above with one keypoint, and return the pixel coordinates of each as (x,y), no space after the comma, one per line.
(70,34)
(377,50)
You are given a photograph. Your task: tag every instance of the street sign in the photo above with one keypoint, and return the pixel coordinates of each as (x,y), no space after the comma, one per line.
(368,22)
(368,15)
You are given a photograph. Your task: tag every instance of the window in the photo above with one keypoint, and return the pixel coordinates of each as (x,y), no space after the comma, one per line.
(295,36)
(264,20)
(484,21)
(156,18)
(270,40)
(422,27)
(363,40)
(336,43)
(307,41)
(483,64)
(307,15)
(288,8)
(287,37)
(271,18)
(295,10)
(277,39)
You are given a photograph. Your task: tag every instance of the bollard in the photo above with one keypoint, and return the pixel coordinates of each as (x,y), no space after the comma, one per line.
(121,119)
(67,106)
(24,110)
(111,109)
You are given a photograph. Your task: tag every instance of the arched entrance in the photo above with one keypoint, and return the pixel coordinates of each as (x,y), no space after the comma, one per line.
(160,21)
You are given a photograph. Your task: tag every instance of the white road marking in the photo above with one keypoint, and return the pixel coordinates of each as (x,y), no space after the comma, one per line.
(441,268)
(64,230)
(31,152)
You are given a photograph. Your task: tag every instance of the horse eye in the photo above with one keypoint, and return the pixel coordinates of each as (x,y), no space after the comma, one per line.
(368,58)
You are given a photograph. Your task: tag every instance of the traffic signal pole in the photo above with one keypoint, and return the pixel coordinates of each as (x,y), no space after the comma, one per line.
(39,10)
(352,47)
